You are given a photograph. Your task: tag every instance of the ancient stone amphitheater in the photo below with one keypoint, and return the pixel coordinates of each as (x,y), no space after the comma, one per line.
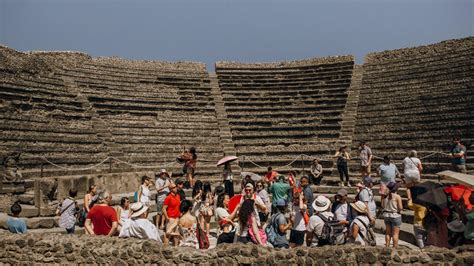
(79,120)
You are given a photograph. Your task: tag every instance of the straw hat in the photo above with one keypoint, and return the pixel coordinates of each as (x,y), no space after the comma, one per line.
(321,203)
(359,206)
(138,209)
(456,226)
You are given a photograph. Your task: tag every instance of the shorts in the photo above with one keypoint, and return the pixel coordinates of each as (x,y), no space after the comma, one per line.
(392,221)
(297,237)
(159,206)
(365,168)
(412,178)
(460,168)
(188,170)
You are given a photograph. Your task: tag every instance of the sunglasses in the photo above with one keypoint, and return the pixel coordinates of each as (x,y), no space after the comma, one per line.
(259,186)
(248,189)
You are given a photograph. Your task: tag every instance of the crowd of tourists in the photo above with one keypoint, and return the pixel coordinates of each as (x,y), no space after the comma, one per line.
(278,210)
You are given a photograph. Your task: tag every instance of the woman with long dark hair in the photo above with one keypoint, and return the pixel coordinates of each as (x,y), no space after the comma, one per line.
(248,222)
(225,219)
(206,209)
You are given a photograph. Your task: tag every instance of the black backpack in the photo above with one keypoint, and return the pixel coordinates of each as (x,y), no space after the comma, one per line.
(332,233)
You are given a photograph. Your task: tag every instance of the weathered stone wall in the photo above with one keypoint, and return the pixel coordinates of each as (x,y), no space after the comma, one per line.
(283,64)
(56,248)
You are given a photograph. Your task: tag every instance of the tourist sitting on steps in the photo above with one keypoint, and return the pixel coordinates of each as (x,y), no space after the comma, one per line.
(138,225)
(316,172)
(15,224)
(102,219)
(315,226)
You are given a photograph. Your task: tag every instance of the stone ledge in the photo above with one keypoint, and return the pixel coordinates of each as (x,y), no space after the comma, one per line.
(59,248)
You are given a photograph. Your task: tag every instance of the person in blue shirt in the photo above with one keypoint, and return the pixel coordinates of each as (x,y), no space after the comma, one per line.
(15,224)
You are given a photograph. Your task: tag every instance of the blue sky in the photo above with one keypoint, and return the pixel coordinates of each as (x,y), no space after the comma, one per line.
(243,30)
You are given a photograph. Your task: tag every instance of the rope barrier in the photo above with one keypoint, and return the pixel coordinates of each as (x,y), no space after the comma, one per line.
(243,157)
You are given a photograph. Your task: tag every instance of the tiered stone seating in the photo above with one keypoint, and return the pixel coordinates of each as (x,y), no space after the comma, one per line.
(40,116)
(278,111)
(152,109)
(418,98)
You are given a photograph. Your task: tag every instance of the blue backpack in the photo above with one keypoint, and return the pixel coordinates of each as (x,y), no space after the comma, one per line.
(271,230)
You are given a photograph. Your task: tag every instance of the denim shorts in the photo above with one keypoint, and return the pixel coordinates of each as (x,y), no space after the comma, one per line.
(393,222)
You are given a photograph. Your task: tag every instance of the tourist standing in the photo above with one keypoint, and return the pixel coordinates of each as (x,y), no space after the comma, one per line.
(248,222)
(412,168)
(187,226)
(102,219)
(263,194)
(162,184)
(171,211)
(366,195)
(225,219)
(144,191)
(340,207)
(307,192)
(68,211)
(316,172)
(314,229)
(228,179)
(190,159)
(342,159)
(388,172)
(91,193)
(365,155)
(298,213)
(180,188)
(270,175)
(419,213)
(206,211)
(392,207)
(458,156)
(360,224)
(279,190)
(138,225)
(281,224)
(15,224)
(123,212)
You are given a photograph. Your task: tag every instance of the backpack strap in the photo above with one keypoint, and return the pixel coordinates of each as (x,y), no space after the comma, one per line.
(274,219)
(366,228)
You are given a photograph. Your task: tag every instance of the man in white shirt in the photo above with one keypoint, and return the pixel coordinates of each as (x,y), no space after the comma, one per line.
(162,184)
(315,226)
(138,225)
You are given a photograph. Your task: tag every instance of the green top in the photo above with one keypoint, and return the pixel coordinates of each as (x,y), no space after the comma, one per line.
(458,149)
(279,190)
